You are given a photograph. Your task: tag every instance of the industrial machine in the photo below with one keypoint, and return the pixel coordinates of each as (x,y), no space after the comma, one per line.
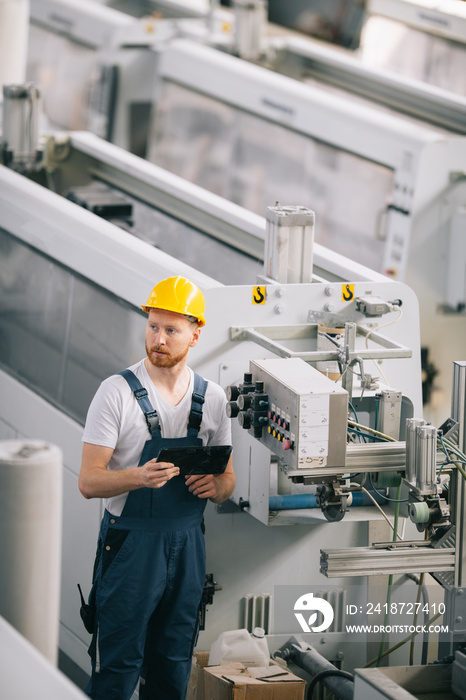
(294,335)
(319,354)
(420,39)
(389,185)
(72,278)
(104,80)
(390,188)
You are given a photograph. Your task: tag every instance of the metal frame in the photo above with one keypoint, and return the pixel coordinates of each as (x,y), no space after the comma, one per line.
(158,187)
(429,103)
(278,98)
(83,21)
(266,338)
(458,413)
(447,19)
(220,218)
(386,558)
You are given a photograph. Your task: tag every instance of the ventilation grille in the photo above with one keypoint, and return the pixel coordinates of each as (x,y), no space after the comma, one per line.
(337,599)
(255,611)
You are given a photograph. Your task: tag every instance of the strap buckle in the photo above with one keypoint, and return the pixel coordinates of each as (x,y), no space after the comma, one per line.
(152,420)
(195,419)
(140,393)
(198,398)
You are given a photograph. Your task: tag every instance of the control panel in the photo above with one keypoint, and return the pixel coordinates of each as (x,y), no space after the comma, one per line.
(295,411)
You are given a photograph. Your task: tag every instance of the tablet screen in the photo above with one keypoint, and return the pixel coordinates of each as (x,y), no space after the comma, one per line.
(201,459)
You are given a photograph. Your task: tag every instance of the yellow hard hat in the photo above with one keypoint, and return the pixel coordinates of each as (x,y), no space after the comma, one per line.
(179,295)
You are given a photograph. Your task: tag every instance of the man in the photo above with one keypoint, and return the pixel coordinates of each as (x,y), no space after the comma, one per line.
(150,565)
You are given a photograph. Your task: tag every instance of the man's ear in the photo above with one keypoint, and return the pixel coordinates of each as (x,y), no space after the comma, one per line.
(195,337)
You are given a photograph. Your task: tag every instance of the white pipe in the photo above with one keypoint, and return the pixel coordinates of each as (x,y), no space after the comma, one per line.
(30,542)
(14,32)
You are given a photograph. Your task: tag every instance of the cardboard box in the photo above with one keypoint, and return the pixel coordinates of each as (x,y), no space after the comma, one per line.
(196,680)
(237,682)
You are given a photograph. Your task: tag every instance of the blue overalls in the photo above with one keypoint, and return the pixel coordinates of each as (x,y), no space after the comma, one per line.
(149,575)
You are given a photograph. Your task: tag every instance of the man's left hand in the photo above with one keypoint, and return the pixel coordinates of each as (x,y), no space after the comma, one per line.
(217,488)
(202,486)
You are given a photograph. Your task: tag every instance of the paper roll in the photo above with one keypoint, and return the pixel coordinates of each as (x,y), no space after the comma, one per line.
(30,542)
(14,32)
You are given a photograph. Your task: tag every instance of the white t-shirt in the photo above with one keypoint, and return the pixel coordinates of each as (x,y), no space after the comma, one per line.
(115,420)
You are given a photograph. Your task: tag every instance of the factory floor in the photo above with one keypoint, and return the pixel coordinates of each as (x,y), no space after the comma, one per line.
(72,670)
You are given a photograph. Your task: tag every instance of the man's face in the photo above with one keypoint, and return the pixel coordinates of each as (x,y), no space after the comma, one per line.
(169,337)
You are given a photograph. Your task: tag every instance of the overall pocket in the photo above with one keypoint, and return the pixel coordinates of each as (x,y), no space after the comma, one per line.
(114,541)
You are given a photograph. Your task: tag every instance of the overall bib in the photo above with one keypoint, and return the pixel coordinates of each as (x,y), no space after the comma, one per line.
(149,576)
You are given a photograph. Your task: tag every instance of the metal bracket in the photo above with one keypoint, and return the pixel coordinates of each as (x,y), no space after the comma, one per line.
(269,337)
(227,507)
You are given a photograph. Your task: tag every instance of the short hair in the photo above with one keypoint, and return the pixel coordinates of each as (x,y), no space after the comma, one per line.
(191,319)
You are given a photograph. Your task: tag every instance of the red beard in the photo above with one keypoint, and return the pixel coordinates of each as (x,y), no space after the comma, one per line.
(166,360)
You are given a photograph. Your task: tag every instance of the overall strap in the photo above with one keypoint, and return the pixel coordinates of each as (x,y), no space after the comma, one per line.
(150,414)
(198,398)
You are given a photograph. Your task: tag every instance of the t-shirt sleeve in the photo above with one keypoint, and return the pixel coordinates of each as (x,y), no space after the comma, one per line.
(221,424)
(104,416)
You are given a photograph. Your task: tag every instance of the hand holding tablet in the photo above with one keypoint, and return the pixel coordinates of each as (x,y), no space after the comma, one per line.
(197,460)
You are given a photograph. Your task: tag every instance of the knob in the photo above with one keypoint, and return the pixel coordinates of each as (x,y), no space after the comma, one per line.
(232,409)
(244,401)
(232,392)
(244,419)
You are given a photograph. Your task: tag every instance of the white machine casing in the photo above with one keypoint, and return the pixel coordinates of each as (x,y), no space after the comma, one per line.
(307,415)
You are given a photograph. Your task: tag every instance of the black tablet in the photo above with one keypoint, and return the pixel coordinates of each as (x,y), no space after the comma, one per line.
(208,459)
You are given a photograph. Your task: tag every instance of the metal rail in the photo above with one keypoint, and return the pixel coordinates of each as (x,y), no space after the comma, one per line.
(264,338)
(386,558)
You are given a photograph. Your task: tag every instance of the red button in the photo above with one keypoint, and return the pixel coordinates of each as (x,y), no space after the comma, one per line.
(286,444)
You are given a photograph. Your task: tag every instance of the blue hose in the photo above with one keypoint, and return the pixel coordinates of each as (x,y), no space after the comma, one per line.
(308,500)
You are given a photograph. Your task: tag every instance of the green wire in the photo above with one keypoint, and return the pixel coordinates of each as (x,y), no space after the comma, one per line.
(403,641)
(456,451)
(357,421)
(460,469)
(366,435)
(454,448)
(354,411)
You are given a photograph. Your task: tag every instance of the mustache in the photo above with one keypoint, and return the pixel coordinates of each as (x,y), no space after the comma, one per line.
(159,349)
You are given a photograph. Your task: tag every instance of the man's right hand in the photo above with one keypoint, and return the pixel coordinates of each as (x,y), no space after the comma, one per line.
(97,481)
(155,474)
